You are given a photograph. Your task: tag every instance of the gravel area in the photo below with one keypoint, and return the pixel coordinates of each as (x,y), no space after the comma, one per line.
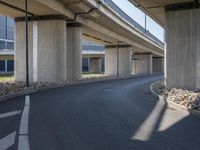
(186,98)
(7,88)
(11,87)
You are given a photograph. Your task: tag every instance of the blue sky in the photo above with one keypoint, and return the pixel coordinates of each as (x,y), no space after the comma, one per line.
(139,17)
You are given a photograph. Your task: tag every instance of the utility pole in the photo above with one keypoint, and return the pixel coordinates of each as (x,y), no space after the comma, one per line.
(27,59)
(145,23)
(118,59)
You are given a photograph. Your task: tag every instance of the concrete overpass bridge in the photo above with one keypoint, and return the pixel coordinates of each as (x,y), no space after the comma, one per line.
(56,28)
(181,20)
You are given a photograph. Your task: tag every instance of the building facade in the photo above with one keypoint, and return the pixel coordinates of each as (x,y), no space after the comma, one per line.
(6,45)
(93,57)
(92,60)
(93,54)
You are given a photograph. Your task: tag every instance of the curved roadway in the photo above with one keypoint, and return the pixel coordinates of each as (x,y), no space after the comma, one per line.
(108,115)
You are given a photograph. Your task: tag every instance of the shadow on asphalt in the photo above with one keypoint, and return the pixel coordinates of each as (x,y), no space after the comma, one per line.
(113,115)
(178,133)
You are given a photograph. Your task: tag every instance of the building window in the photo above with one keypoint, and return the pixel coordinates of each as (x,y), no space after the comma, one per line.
(2,21)
(2,44)
(10,65)
(6,28)
(2,31)
(10,28)
(2,65)
(10,33)
(10,45)
(85,65)
(2,26)
(10,22)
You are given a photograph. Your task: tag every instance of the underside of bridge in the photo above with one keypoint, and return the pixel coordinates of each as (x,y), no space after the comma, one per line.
(55,30)
(181,20)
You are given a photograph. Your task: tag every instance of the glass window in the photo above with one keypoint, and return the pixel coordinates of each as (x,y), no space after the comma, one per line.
(6,27)
(85,65)
(102,64)
(10,33)
(10,22)
(10,65)
(10,45)
(2,65)
(2,32)
(2,21)
(2,44)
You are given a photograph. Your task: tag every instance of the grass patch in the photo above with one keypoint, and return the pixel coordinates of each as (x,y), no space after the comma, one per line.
(90,75)
(7,78)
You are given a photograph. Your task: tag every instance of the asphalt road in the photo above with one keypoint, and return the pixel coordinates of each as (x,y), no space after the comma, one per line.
(109,115)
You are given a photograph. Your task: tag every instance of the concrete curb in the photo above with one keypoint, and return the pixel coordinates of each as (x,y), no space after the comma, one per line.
(17,94)
(31,91)
(172,104)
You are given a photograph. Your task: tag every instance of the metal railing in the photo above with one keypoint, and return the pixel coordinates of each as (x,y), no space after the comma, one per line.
(7,50)
(122,14)
(96,48)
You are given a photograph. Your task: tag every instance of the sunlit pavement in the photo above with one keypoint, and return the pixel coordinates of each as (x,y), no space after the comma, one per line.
(109,115)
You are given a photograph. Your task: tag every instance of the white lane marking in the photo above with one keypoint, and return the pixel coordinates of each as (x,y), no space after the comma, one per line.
(24,121)
(27,100)
(9,114)
(7,141)
(23,143)
(25,115)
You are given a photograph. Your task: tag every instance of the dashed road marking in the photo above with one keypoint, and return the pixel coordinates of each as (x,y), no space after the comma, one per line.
(7,141)
(27,100)
(24,121)
(108,90)
(23,143)
(9,114)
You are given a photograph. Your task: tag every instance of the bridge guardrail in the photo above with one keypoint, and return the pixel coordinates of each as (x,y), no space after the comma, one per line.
(121,13)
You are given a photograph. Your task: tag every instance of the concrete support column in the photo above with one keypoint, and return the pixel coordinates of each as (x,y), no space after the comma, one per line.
(182,61)
(20,52)
(74,55)
(118,60)
(150,63)
(47,50)
(158,64)
(142,63)
(95,65)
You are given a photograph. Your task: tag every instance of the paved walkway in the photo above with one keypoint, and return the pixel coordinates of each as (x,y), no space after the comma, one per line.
(110,115)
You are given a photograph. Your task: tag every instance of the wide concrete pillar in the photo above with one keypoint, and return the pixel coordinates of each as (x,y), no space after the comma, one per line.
(158,64)
(118,60)
(95,65)
(20,51)
(142,63)
(182,61)
(74,55)
(47,50)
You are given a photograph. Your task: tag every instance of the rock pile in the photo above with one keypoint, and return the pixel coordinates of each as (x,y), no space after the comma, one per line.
(186,98)
(7,88)
(12,87)
(160,88)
